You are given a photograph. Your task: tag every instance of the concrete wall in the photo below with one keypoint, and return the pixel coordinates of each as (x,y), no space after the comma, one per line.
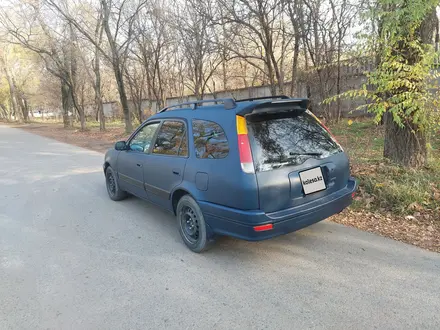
(351,82)
(352,78)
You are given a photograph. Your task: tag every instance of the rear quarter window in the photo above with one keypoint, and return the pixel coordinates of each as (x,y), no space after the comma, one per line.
(210,140)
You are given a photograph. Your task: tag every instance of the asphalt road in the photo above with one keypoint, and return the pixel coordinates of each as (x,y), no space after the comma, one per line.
(70,258)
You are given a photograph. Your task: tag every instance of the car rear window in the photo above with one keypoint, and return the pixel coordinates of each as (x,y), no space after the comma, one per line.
(288,138)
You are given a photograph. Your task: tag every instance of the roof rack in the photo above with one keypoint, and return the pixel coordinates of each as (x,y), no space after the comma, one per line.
(284,97)
(228,103)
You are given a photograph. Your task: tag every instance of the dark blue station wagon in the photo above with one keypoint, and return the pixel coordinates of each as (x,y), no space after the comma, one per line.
(251,169)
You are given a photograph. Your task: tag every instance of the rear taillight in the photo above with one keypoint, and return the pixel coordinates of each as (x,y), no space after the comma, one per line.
(244,148)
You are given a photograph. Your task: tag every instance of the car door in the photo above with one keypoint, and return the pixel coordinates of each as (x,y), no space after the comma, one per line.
(165,165)
(131,161)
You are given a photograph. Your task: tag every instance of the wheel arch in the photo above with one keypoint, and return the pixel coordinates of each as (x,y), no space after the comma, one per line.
(106,165)
(177,194)
(181,191)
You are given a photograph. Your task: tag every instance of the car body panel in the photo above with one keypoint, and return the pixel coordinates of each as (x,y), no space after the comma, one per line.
(281,188)
(240,224)
(162,174)
(131,173)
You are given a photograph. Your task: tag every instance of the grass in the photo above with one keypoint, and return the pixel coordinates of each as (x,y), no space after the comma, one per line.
(383,186)
(108,124)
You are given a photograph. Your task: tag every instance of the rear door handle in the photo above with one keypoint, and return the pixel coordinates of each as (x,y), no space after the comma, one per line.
(139,165)
(176,172)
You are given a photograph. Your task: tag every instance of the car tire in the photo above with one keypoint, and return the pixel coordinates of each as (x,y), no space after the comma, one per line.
(114,192)
(192,226)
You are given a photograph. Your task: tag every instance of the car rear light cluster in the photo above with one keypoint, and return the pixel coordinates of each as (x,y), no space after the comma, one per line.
(244,147)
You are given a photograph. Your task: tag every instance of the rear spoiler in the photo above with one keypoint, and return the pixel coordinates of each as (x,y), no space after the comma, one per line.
(275,106)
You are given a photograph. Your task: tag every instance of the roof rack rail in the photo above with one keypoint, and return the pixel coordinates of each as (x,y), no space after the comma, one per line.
(284,97)
(228,103)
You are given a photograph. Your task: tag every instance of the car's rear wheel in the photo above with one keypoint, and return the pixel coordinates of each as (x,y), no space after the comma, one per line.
(114,192)
(192,226)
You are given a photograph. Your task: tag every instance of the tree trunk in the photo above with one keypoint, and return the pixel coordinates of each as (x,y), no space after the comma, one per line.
(139,111)
(97,85)
(13,95)
(307,79)
(5,112)
(338,82)
(82,118)
(123,98)
(407,145)
(27,110)
(98,95)
(101,114)
(403,145)
(24,109)
(66,103)
(298,27)
(294,85)
(117,68)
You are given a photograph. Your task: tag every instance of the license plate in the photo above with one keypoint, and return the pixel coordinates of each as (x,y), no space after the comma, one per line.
(312,180)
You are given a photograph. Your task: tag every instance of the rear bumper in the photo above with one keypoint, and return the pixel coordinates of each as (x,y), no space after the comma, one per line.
(238,223)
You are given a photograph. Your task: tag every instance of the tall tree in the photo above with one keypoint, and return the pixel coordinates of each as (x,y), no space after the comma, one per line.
(401,89)
(258,26)
(28,26)
(118,20)
(408,116)
(196,37)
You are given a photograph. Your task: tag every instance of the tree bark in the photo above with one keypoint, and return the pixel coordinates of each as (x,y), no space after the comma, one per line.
(66,103)
(97,71)
(294,85)
(123,97)
(13,95)
(98,93)
(405,146)
(24,108)
(5,112)
(295,11)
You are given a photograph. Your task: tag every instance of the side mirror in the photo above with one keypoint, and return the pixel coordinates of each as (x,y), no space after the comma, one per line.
(121,145)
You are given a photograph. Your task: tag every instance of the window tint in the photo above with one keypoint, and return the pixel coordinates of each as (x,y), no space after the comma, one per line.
(142,140)
(169,139)
(209,140)
(288,139)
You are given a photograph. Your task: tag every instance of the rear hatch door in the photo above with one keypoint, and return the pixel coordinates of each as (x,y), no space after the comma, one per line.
(296,159)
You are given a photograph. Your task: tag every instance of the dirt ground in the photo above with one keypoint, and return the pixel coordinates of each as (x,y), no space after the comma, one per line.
(422,231)
(91,139)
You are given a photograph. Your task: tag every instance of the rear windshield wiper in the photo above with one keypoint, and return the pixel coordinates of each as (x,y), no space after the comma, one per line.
(305,153)
(293,156)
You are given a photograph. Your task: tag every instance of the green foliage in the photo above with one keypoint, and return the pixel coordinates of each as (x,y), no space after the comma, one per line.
(402,190)
(403,83)
(383,186)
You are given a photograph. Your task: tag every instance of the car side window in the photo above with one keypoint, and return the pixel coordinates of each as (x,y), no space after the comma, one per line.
(171,136)
(210,140)
(142,140)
